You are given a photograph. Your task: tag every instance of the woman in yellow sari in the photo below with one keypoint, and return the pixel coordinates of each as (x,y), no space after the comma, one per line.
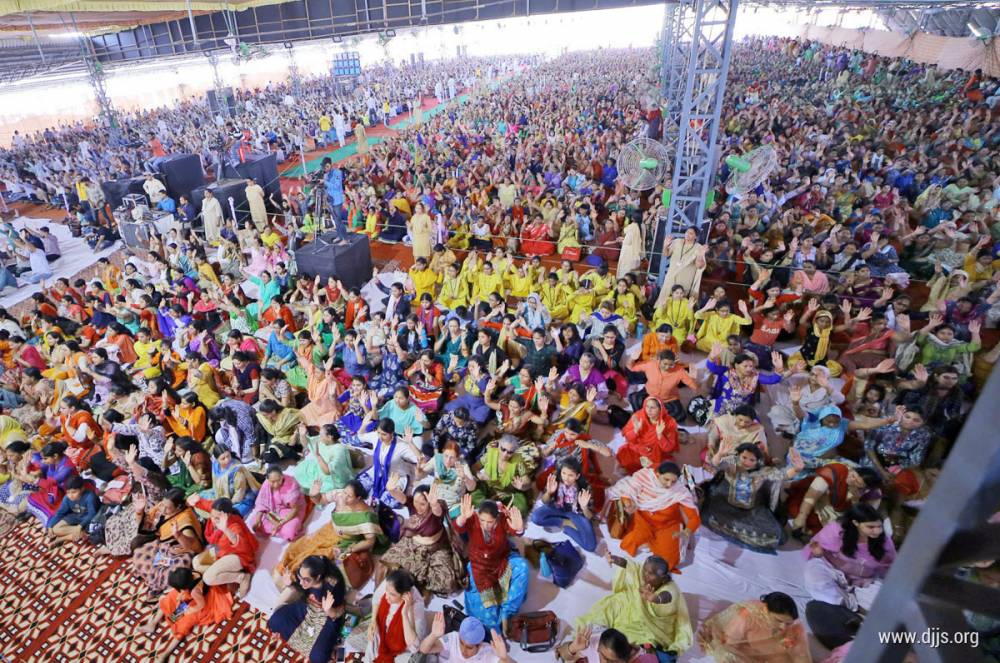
(569,236)
(626,303)
(201,380)
(582,302)
(575,403)
(764,631)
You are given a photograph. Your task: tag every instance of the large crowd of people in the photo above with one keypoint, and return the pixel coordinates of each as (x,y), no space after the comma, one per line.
(203,399)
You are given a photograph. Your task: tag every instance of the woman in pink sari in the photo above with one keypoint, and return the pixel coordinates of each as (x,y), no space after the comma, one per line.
(764,631)
(323,388)
(280,509)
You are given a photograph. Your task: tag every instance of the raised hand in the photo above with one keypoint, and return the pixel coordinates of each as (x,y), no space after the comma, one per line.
(328,601)
(582,638)
(591,394)
(796,460)
(467,511)
(515,519)
(777,361)
(864,314)
(813,305)
(583,499)
(885,366)
(920,373)
(551,484)
(438,626)
(845,306)
(393,482)
(498,645)
(975,326)
(795,392)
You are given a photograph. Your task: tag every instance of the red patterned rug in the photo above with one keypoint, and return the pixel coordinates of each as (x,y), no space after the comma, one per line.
(69,605)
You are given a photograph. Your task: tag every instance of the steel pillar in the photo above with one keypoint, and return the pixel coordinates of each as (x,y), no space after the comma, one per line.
(695,81)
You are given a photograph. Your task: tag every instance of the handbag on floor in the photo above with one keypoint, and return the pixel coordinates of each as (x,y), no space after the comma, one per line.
(359,568)
(534,631)
(618,519)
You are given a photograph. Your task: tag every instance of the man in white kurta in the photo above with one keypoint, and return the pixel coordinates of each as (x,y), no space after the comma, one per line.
(211,217)
(258,212)
(340,127)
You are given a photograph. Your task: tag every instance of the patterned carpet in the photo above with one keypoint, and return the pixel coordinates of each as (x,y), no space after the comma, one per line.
(69,605)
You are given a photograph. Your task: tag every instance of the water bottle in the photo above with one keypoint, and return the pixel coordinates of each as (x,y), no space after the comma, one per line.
(640,330)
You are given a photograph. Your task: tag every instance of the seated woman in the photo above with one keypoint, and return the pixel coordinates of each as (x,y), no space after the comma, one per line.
(190,603)
(327,461)
(764,631)
(280,509)
(575,402)
(426,377)
(149,485)
(188,418)
(232,480)
(474,386)
(823,497)
(505,474)
(849,558)
(815,393)
(194,462)
(611,646)
(824,430)
(356,402)
(397,624)
(645,605)
(80,432)
(425,549)
(663,511)
(740,501)
(498,581)
(452,477)
(392,454)
(567,498)
(48,472)
(353,530)
(736,385)
(650,437)
(174,537)
(280,424)
(230,556)
(895,450)
(15,479)
(572,442)
(311,615)
(728,431)
(536,238)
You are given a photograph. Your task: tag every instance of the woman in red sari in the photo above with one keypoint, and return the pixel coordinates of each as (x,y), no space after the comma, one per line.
(535,238)
(663,511)
(650,437)
(397,625)
(572,442)
(79,431)
(825,496)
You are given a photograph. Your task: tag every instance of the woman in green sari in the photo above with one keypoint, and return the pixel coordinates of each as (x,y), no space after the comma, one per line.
(505,474)
(280,423)
(353,529)
(328,463)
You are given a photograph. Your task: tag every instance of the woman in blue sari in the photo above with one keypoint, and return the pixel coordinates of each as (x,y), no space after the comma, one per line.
(822,431)
(452,349)
(280,354)
(232,480)
(356,401)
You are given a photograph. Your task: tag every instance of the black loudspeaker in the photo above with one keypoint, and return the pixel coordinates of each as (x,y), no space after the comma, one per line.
(223,190)
(262,169)
(115,190)
(227,98)
(182,174)
(351,263)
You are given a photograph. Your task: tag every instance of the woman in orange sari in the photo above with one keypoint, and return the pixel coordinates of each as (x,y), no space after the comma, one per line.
(663,511)
(323,388)
(118,337)
(188,418)
(80,431)
(764,631)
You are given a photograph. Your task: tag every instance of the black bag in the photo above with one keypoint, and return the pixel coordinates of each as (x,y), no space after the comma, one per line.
(617,416)
(453,616)
(700,409)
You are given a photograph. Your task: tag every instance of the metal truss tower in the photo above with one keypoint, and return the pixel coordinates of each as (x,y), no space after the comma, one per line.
(697,46)
(218,84)
(95,73)
(293,71)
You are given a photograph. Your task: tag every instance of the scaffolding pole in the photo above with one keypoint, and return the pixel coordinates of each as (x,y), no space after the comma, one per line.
(699,55)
